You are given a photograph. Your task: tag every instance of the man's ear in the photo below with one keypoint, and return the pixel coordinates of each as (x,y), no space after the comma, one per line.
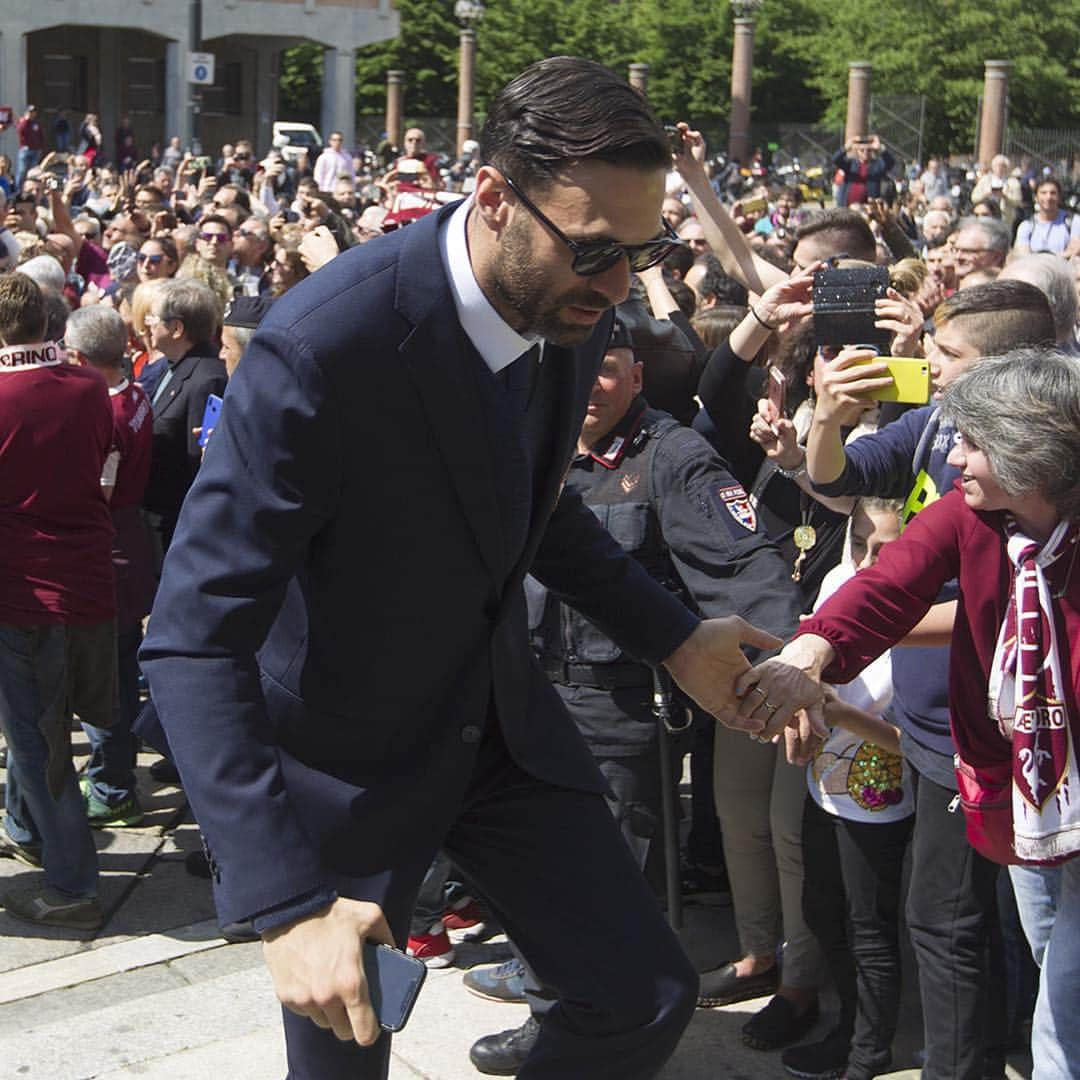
(637,376)
(489,196)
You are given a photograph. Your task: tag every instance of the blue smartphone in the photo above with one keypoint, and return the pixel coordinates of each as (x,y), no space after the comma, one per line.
(209,418)
(394,982)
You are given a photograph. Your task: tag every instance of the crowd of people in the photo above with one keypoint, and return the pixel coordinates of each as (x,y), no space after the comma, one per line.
(917,558)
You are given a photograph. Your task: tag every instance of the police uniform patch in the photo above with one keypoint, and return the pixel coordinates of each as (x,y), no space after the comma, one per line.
(630,481)
(735,503)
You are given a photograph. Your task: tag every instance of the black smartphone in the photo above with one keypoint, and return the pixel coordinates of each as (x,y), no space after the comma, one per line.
(394,982)
(844,300)
(675,137)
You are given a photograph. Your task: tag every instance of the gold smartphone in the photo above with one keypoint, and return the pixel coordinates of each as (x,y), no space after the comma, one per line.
(911,379)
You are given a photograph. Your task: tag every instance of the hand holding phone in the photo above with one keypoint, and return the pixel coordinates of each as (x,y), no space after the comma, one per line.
(778,391)
(210,419)
(910,380)
(675,138)
(844,384)
(319,970)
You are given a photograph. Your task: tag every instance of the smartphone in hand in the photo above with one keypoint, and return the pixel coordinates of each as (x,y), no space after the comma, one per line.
(394,980)
(778,390)
(210,418)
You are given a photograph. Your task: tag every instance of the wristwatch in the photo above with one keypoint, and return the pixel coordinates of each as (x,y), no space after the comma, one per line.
(793,474)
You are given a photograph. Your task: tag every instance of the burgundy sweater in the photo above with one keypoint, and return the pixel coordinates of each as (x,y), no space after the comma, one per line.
(881,604)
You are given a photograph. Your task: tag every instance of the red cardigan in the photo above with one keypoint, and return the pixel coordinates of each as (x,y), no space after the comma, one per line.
(881,604)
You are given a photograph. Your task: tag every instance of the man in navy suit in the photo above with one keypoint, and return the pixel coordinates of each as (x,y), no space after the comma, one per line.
(339,650)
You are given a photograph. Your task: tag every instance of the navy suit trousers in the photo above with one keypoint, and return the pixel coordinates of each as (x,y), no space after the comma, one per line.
(557,873)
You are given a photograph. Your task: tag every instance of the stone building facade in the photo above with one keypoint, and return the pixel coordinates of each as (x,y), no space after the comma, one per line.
(129,58)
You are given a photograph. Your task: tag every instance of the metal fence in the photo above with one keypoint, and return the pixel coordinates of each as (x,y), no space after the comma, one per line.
(440,132)
(1057,149)
(900,120)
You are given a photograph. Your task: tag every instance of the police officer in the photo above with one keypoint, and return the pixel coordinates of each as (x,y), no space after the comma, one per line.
(668,498)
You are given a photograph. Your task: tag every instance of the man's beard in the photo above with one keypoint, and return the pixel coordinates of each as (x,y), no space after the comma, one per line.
(518,283)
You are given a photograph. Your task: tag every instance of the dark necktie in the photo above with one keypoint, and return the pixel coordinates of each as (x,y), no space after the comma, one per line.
(519,377)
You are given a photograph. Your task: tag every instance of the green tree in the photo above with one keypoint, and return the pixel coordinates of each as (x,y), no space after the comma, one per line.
(426,50)
(937,48)
(300,73)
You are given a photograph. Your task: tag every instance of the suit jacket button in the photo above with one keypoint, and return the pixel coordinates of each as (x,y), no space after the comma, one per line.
(471,733)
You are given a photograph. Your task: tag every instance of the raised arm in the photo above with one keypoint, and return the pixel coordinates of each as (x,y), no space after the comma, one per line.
(724,236)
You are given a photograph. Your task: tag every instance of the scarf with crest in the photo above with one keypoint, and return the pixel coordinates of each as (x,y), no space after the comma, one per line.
(1028,701)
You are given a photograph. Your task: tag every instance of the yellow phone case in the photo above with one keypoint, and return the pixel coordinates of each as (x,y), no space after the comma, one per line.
(911,380)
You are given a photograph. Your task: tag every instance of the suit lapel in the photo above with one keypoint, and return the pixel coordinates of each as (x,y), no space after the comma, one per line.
(577,370)
(180,375)
(444,373)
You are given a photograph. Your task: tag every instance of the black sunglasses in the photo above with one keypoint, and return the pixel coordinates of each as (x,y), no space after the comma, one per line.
(595,258)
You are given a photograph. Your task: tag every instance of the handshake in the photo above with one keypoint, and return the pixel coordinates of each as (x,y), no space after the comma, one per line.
(781,696)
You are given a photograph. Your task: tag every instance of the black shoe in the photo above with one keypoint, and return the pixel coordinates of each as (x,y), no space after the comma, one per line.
(825,1060)
(239,933)
(778,1024)
(165,772)
(505,1053)
(721,986)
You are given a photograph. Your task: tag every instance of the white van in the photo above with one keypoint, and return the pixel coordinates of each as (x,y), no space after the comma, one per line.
(290,138)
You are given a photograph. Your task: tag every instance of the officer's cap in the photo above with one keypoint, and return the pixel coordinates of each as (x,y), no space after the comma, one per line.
(247,311)
(620,336)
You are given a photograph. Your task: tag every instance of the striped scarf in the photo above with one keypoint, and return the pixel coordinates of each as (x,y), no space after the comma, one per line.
(1027,699)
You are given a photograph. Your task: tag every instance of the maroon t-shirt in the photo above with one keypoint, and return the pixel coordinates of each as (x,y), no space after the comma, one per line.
(133,438)
(133,561)
(55,531)
(93,264)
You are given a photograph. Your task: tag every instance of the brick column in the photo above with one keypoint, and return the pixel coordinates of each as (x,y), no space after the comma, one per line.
(395,104)
(639,78)
(466,86)
(858,100)
(994,108)
(742,76)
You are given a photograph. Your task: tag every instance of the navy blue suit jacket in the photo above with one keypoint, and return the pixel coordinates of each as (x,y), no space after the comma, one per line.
(337,610)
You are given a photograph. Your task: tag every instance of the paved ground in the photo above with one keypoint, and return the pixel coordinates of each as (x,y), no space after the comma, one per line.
(156,994)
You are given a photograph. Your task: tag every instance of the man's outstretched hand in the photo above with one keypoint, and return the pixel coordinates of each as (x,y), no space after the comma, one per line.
(317,964)
(708,663)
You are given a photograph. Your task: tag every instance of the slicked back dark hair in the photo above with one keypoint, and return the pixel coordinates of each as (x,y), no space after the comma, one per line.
(565,110)
(999,316)
(847,231)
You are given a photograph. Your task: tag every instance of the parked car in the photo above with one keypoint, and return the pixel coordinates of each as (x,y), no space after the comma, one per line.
(291,138)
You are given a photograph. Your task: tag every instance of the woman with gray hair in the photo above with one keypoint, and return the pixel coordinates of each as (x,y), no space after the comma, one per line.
(1053,276)
(1010,532)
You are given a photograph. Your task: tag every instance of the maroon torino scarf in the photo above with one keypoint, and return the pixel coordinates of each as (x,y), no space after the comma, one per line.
(1027,700)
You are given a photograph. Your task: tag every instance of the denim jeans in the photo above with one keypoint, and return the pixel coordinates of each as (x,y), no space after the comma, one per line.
(26,160)
(111,770)
(33,695)
(1049,902)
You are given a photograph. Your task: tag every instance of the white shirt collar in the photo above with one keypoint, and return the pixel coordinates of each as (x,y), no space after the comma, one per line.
(497,342)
